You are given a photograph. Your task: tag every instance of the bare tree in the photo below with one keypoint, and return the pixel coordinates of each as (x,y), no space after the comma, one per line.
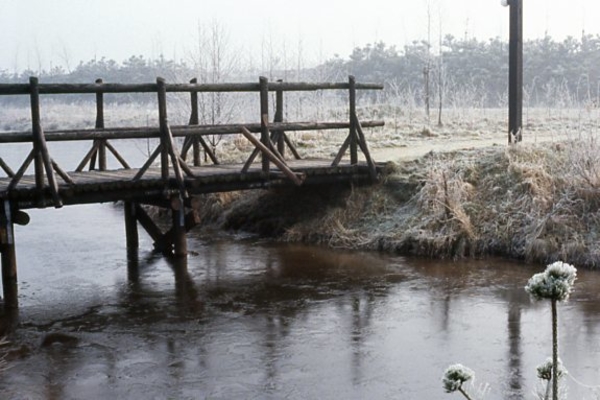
(427,68)
(214,60)
(441,83)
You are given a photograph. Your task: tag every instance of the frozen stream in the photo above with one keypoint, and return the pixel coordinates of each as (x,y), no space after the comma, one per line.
(255,320)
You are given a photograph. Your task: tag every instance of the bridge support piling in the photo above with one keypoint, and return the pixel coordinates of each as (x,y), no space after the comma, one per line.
(9,257)
(179,228)
(131,230)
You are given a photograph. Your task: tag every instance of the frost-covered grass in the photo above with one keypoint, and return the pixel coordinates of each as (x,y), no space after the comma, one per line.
(532,202)
(404,125)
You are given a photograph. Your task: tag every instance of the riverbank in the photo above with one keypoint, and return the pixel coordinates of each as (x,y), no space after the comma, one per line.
(534,202)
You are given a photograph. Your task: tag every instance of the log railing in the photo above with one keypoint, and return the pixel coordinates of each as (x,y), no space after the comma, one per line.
(271,144)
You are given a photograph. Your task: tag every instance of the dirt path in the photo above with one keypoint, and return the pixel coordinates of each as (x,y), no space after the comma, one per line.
(419,148)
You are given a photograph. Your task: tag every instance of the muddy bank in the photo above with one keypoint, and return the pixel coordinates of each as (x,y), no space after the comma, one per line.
(538,203)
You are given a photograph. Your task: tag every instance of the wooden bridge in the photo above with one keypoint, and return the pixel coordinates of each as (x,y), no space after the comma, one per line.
(170,176)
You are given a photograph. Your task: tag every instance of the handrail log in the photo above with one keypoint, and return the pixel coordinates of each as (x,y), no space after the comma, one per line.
(95,88)
(178,131)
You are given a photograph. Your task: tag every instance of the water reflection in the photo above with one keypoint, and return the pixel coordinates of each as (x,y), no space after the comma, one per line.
(252,319)
(514,351)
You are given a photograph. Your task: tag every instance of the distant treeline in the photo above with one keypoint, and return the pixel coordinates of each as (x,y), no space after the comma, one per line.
(460,72)
(474,72)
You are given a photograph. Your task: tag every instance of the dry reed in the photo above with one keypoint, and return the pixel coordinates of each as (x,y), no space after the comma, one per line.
(537,203)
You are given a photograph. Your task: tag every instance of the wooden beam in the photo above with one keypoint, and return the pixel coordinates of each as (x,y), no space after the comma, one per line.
(9,172)
(100,125)
(362,141)
(256,152)
(68,88)
(192,219)
(42,156)
(264,120)
(49,171)
(21,171)
(90,154)
(341,152)
(164,126)
(352,133)
(36,133)
(131,230)
(176,165)
(150,227)
(148,163)
(197,140)
(195,120)
(268,154)
(8,257)
(118,156)
(178,131)
(291,146)
(279,118)
(65,177)
(178,235)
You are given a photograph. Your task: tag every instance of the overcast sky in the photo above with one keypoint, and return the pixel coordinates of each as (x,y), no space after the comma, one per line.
(38,34)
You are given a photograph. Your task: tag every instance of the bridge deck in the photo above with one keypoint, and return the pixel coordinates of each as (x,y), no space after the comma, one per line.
(103,186)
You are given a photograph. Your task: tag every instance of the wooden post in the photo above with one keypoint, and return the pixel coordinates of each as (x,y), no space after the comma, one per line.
(36,129)
(9,256)
(131,230)
(279,118)
(353,144)
(195,120)
(43,162)
(179,231)
(362,142)
(133,267)
(162,117)
(264,119)
(515,72)
(100,125)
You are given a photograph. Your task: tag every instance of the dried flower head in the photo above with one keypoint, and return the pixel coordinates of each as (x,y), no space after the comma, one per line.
(555,283)
(544,370)
(455,376)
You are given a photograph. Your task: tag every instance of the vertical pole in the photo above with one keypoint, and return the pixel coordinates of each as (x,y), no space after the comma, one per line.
(9,257)
(195,120)
(515,72)
(43,161)
(133,268)
(353,134)
(132,237)
(279,118)
(100,125)
(179,233)
(162,117)
(36,130)
(131,230)
(264,119)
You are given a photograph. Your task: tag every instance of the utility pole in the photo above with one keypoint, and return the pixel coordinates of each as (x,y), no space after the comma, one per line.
(515,71)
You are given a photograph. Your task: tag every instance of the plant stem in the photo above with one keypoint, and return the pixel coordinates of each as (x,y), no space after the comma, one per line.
(460,389)
(548,385)
(554,351)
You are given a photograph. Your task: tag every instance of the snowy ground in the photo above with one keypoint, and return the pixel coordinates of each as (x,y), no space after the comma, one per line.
(407,134)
